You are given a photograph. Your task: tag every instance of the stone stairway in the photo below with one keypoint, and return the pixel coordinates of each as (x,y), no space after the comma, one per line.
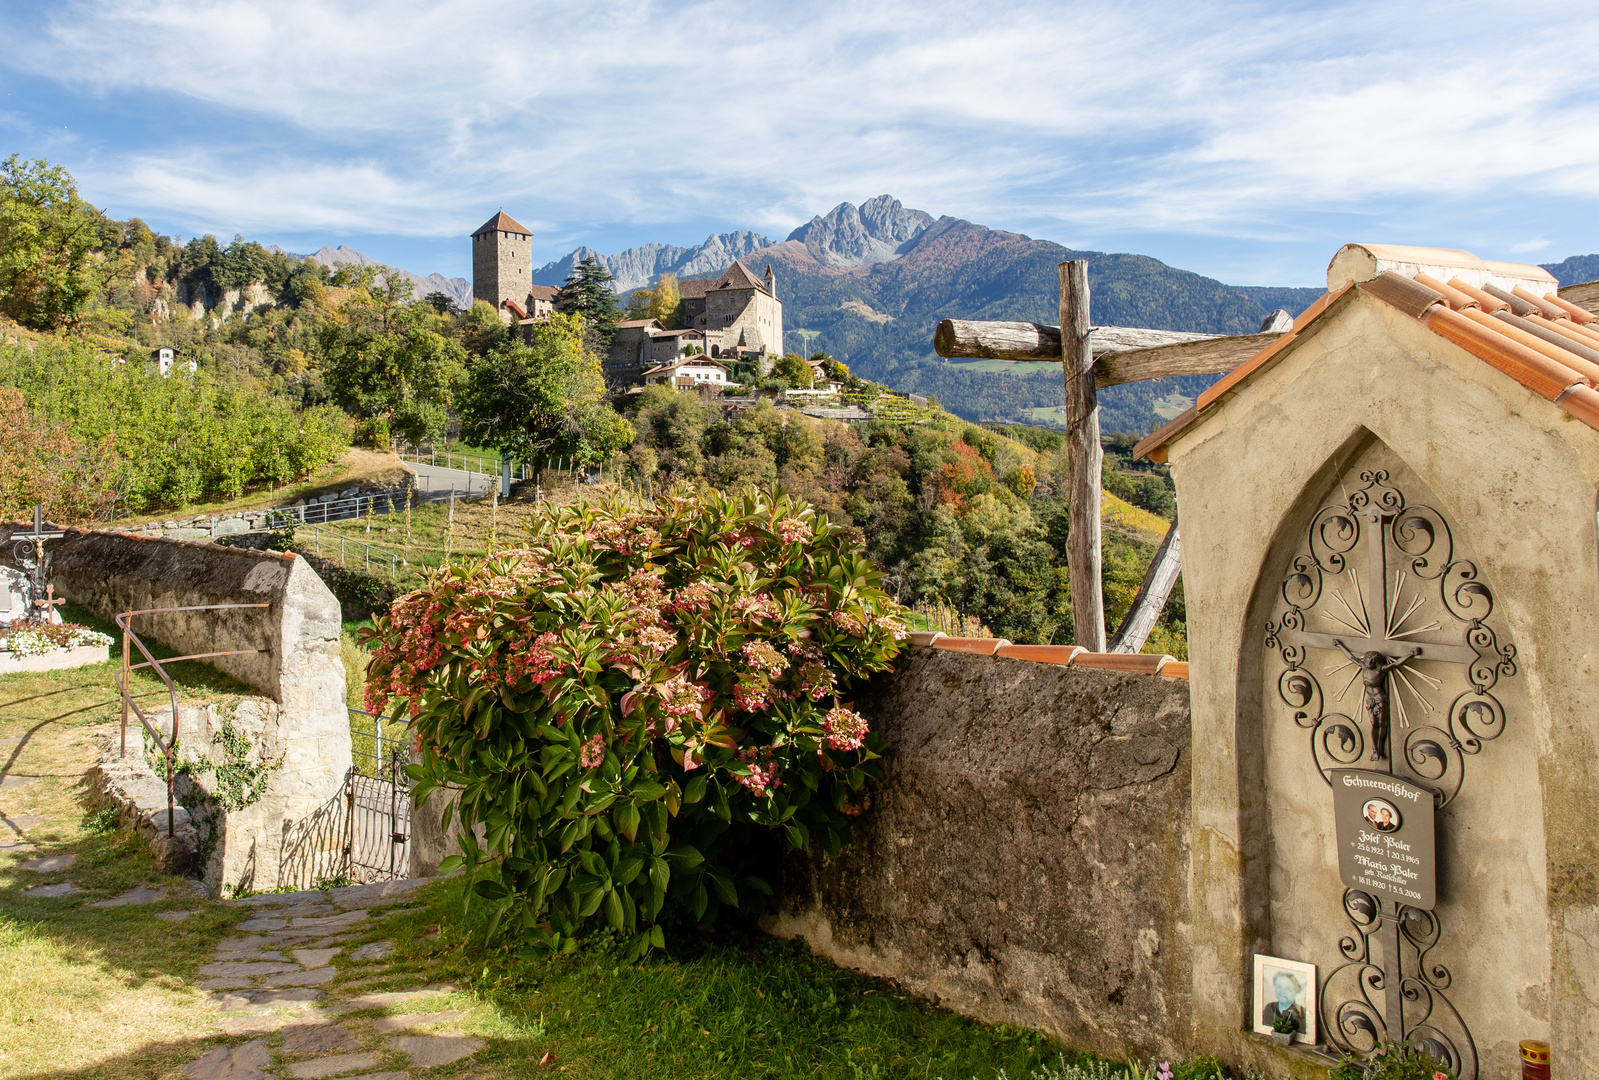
(274,983)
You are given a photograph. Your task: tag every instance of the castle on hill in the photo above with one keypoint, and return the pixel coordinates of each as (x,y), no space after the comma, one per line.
(736,316)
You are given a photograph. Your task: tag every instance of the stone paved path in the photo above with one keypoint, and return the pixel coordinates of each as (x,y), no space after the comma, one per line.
(275,982)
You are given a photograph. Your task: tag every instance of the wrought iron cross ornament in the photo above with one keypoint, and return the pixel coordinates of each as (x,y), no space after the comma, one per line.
(1384,627)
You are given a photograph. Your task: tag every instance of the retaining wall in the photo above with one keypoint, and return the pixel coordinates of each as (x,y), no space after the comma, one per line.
(304,725)
(1026,858)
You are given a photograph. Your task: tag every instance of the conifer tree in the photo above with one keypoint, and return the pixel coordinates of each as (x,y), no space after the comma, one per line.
(588,293)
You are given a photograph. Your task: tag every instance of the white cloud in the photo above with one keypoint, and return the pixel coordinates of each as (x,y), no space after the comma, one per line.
(411,118)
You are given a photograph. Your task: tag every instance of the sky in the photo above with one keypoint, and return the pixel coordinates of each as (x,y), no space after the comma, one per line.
(1246,141)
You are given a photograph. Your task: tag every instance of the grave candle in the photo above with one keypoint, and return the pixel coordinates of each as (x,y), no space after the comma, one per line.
(1534,1060)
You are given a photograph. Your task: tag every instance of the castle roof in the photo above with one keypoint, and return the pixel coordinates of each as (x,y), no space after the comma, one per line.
(502,222)
(544,292)
(736,276)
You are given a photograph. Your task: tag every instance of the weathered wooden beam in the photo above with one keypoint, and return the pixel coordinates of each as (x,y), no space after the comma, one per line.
(1122,354)
(1159,581)
(1086,458)
(1211,356)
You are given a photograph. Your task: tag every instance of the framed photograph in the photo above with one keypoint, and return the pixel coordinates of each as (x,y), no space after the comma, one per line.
(1285,993)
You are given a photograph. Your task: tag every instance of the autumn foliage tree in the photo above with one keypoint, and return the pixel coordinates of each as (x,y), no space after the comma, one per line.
(41,463)
(49,267)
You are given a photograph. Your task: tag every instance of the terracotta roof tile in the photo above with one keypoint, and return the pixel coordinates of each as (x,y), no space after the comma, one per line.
(1532,369)
(1585,334)
(1073,655)
(1517,304)
(1578,315)
(1551,333)
(1489,302)
(1550,311)
(1581,402)
(1516,330)
(1452,296)
(544,292)
(1042,654)
(982,646)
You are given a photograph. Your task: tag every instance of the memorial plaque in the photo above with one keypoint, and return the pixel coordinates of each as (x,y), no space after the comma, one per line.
(1386,843)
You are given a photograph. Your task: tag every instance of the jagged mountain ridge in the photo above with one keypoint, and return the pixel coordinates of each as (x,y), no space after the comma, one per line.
(877,231)
(638,267)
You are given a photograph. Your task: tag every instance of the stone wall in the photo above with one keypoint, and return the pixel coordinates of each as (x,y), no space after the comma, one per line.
(297,666)
(1026,859)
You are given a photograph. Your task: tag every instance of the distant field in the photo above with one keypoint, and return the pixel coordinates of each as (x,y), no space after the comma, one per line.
(1005,367)
(1049,416)
(1172,406)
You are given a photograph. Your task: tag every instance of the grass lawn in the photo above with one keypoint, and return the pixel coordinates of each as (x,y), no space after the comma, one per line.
(113,993)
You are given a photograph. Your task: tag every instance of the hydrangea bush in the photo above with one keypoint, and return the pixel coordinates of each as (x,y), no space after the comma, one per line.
(36,639)
(636,707)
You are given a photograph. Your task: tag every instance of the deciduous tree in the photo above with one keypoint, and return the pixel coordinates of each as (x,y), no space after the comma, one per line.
(48,238)
(543,399)
(390,364)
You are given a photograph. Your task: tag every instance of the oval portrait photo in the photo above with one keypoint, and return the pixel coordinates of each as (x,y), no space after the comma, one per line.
(1381,815)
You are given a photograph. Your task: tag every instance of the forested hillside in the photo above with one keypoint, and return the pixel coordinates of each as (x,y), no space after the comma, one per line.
(880,318)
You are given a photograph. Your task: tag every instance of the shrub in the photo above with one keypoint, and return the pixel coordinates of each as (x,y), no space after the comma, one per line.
(635,702)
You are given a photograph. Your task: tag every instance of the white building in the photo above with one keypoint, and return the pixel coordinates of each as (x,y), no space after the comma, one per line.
(688,372)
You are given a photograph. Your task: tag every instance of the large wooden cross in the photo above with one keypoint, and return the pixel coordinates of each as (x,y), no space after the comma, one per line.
(1093,357)
(37,538)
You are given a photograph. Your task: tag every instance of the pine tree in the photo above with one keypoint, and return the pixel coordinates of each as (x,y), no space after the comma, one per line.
(588,293)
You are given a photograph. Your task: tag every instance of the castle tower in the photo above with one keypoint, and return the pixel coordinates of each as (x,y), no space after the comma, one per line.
(502,262)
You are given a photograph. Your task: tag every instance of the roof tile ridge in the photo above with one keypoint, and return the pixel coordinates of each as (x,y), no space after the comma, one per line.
(1405,294)
(1500,323)
(981,646)
(1133,663)
(1537,372)
(1489,302)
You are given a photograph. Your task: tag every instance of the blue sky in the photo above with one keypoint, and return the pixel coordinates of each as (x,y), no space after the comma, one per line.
(1246,141)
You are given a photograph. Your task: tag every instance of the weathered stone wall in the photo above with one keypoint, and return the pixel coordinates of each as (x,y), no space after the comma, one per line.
(305,724)
(1026,858)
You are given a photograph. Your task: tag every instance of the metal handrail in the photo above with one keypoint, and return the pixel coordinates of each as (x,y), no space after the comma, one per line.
(124,621)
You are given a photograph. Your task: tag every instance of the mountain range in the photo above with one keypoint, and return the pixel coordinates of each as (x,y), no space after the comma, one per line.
(868,284)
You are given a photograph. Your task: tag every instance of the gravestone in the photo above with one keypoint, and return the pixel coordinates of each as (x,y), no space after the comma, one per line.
(16,596)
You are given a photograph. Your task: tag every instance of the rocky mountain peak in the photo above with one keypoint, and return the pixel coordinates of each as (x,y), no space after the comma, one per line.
(878,230)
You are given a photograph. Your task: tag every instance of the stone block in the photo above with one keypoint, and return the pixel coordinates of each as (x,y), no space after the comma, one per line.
(315,958)
(51,891)
(139,895)
(431,1051)
(249,968)
(377,950)
(49,864)
(313,977)
(353,895)
(331,922)
(263,924)
(246,1062)
(417,1020)
(306,1040)
(292,899)
(335,1065)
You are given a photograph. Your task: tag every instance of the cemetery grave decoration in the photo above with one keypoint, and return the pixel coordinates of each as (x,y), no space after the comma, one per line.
(636,707)
(1379,583)
(41,646)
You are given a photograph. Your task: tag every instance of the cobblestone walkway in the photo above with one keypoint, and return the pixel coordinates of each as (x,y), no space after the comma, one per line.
(277,982)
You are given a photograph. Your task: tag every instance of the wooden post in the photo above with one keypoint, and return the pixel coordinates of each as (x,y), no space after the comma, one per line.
(1159,581)
(1082,440)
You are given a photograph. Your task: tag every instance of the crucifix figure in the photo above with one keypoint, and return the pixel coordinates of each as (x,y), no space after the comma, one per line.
(1379,642)
(1374,668)
(29,552)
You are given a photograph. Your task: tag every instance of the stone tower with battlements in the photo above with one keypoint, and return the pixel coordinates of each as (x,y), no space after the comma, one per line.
(502,263)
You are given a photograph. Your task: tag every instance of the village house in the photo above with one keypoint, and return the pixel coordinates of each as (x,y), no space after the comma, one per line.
(642,344)
(689,372)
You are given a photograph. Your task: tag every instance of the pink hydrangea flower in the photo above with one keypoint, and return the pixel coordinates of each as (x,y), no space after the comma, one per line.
(844,728)
(792,530)
(593,755)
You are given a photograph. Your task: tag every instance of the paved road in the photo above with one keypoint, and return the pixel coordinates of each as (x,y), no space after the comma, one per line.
(437,478)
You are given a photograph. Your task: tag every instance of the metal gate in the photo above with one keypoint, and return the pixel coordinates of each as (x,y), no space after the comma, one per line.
(377,803)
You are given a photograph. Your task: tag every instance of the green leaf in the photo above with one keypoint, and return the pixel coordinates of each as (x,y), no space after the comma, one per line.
(695,790)
(451,865)
(687,854)
(628,870)
(591,903)
(723,885)
(491,890)
(657,937)
(613,909)
(627,820)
